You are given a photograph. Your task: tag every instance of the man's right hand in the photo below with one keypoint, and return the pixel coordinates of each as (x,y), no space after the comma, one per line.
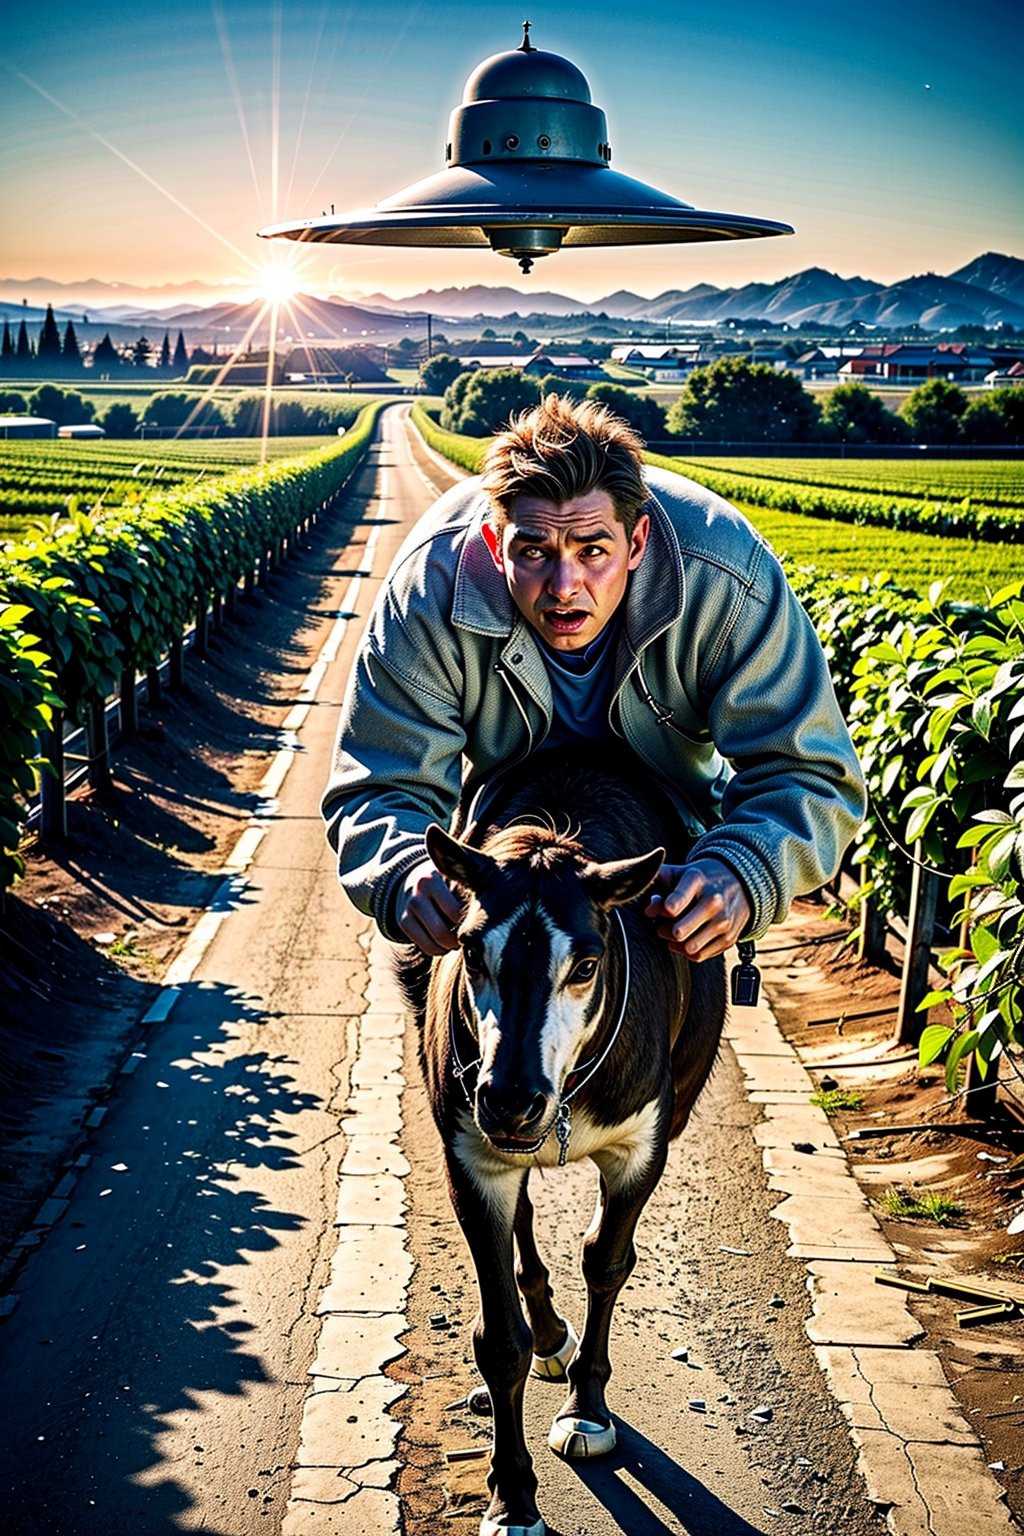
(428,912)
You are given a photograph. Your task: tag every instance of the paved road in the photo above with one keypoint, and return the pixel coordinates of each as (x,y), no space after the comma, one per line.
(156,1372)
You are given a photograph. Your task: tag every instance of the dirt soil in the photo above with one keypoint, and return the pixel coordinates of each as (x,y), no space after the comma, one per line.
(840,1015)
(87,936)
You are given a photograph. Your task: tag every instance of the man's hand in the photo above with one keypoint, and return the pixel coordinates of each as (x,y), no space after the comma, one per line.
(427,911)
(699,909)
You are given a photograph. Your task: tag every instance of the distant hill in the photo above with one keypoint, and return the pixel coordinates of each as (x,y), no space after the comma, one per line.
(480,301)
(934,303)
(1002,275)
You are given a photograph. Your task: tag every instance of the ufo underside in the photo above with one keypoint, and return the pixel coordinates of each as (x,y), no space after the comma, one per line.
(577,205)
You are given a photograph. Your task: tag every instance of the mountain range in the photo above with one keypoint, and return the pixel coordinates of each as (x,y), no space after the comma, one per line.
(988,291)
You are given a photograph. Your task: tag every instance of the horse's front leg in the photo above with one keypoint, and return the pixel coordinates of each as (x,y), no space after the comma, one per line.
(583,1427)
(485,1204)
(554,1341)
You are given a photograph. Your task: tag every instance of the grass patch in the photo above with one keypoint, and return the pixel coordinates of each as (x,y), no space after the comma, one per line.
(834,1100)
(904,1205)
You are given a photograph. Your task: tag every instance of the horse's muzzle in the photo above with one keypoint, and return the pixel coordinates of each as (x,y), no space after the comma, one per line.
(514,1119)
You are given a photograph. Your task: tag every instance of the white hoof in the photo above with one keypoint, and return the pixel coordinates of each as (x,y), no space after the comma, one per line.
(581,1439)
(492,1528)
(552,1367)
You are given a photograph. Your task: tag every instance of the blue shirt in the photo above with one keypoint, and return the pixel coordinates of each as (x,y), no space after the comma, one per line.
(581,685)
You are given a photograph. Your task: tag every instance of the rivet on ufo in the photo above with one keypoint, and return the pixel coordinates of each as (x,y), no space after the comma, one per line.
(527,172)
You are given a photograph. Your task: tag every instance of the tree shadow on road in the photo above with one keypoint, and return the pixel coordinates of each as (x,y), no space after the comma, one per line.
(141,1345)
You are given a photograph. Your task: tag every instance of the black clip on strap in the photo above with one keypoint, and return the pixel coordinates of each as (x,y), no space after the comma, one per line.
(745,980)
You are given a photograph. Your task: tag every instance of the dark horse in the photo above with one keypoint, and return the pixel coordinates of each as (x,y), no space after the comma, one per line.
(562,1027)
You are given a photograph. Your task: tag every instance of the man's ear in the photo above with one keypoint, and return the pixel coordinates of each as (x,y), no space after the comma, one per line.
(493,542)
(638,540)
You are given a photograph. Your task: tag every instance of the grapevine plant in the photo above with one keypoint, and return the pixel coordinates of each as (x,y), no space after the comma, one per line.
(112,592)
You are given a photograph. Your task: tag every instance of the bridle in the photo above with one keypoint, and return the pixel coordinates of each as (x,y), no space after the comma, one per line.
(574,1080)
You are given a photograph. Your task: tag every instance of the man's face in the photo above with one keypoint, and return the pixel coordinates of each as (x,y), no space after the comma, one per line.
(567,564)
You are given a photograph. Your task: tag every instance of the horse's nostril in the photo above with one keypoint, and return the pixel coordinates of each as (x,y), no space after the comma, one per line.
(535,1110)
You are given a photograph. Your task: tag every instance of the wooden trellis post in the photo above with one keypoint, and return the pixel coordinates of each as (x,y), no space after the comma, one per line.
(924,891)
(53,807)
(98,744)
(871,938)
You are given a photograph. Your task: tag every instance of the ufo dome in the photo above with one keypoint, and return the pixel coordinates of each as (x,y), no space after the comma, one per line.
(521,72)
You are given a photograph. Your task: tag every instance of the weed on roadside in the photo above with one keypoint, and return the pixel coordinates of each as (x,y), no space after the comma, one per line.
(833,1100)
(904,1205)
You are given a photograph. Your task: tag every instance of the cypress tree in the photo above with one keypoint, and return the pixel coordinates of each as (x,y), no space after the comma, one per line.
(48,351)
(105,357)
(180,363)
(71,353)
(7,348)
(165,352)
(24,351)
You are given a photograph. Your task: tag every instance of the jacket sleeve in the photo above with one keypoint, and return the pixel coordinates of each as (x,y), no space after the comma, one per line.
(397,763)
(796,796)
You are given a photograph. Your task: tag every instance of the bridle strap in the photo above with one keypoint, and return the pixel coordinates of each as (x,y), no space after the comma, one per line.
(580,1076)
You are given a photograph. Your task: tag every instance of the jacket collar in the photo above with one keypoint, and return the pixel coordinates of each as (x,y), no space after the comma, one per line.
(655,599)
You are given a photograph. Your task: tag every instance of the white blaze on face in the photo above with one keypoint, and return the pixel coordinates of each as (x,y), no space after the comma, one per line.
(562,1026)
(566,1031)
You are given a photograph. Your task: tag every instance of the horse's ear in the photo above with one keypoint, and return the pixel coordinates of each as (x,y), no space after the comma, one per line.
(615,883)
(458,863)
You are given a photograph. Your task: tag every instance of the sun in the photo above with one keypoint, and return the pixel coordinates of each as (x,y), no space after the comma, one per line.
(277,283)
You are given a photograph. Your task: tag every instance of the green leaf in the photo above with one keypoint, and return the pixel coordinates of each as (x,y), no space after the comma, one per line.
(932,1043)
(960,1047)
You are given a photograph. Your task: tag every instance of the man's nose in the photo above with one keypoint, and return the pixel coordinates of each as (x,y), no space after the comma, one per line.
(563,581)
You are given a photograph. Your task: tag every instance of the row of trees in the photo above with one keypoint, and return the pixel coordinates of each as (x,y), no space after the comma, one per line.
(57,355)
(734,400)
(171,410)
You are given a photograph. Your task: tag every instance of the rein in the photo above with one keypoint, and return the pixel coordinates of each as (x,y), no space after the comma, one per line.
(574,1080)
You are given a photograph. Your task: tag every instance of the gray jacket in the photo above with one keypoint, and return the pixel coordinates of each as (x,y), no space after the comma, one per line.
(720,687)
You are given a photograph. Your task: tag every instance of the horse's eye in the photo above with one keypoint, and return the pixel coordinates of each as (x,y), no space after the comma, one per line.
(472,956)
(583,971)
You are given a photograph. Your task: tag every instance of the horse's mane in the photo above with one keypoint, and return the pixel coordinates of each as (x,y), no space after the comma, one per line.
(535,846)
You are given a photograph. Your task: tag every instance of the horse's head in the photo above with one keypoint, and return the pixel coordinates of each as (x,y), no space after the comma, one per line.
(539,978)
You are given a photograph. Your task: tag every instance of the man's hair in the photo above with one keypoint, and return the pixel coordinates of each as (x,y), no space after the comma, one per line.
(562,449)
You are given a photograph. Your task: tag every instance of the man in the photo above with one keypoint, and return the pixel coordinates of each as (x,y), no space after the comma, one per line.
(573,594)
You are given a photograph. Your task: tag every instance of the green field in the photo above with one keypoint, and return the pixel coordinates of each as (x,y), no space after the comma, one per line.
(989,482)
(972,568)
(39,478)
(914,560)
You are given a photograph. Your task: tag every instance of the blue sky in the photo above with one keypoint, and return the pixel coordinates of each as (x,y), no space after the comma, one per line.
(147,143)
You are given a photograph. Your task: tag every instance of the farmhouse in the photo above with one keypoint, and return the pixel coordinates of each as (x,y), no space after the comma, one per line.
(316,363)
(666,364)
(568,365)
(899,363)
(27,426)
(87,429)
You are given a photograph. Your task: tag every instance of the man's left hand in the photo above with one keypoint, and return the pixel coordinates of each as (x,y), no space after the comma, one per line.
(699,909)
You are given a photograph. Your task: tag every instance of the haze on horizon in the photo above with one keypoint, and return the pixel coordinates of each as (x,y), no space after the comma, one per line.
(145,146)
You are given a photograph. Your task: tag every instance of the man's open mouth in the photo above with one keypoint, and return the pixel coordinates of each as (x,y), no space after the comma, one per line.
(565,621)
